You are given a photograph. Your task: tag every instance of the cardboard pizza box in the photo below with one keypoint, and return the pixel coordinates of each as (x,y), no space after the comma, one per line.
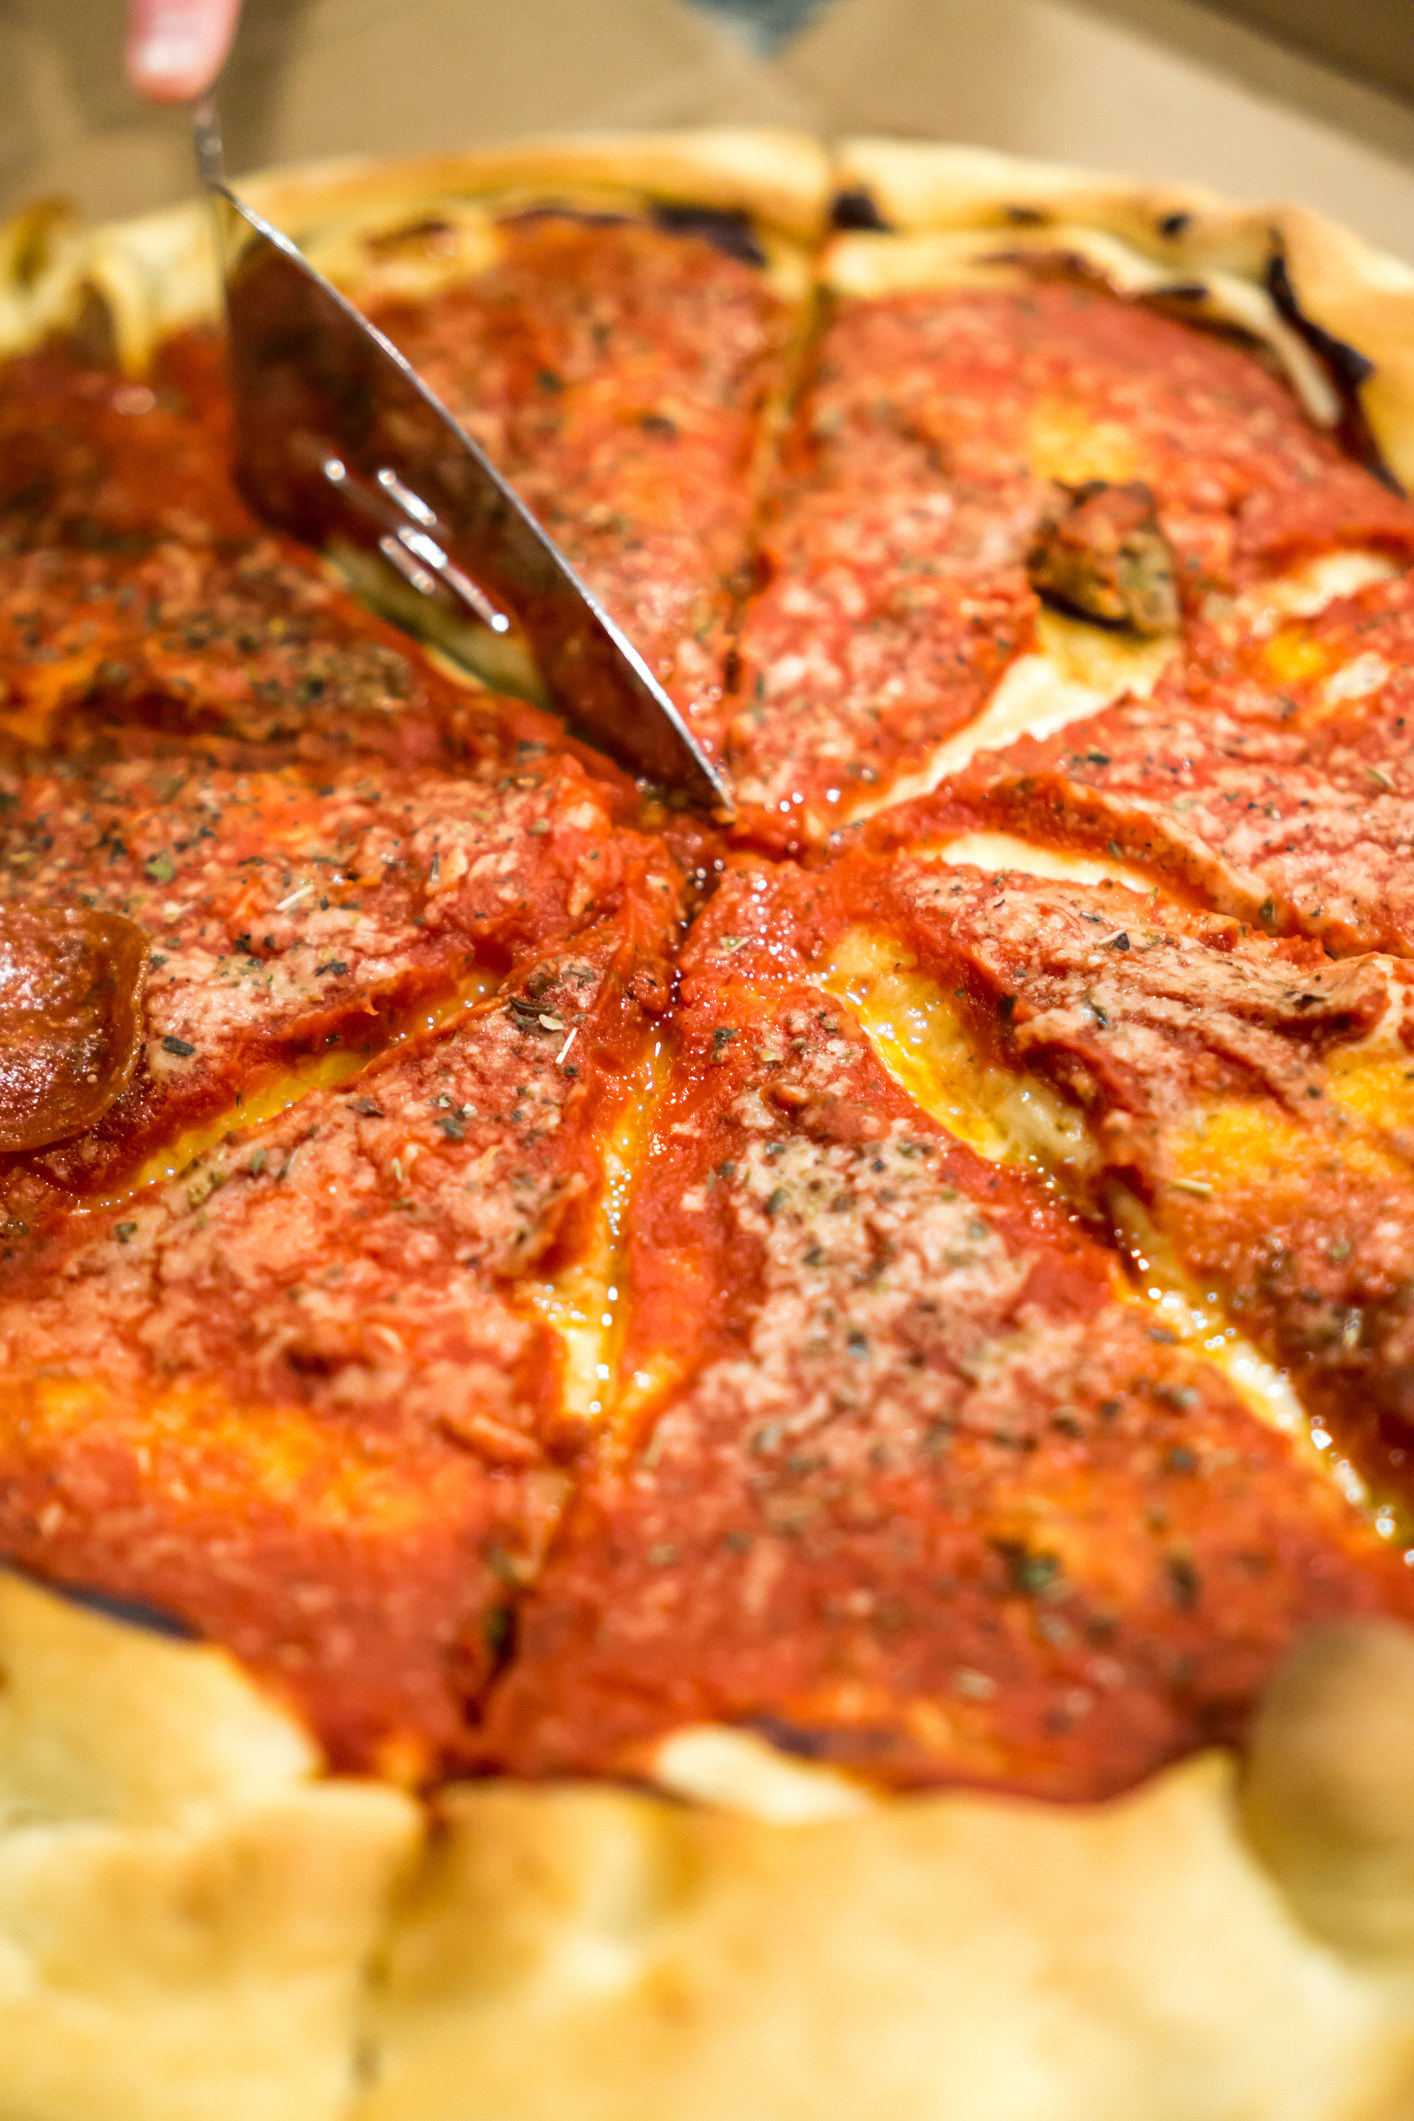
(1162,88)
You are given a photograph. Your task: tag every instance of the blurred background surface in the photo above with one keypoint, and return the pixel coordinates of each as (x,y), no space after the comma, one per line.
(1268,98)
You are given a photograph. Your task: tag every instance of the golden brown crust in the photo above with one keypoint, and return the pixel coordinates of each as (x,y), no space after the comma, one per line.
(192,1925)
(933,1960)
(1365,299)
(921,184)
(186,1911)
(781,177)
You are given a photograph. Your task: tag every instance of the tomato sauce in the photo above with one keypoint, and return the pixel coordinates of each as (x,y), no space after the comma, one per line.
(293,1398)
(619,374)
(893,1462)
(915,1488)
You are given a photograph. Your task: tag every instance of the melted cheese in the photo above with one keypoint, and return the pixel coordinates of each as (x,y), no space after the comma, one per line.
(1065,442)
(1105,660)
(1074,671)
(1249,1141)
(919,1037)
(258,1106)
(1002,851)
(1307,589)
(1374,1082)
(583,1303)
(1197,1320)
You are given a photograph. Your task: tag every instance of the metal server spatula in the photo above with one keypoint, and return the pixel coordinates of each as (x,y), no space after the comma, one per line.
(337,438)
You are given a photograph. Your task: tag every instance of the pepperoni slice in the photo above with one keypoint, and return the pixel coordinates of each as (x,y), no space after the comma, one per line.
(71,984)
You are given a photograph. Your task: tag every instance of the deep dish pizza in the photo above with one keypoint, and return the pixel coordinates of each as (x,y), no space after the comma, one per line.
(654,1464)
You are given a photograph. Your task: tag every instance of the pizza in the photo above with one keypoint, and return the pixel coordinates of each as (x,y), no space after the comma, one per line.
(752,1465)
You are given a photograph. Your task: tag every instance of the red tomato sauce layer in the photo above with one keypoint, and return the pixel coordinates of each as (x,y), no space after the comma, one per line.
(619,375)
(916,1488)
(933,432)
(893,1461)
(295,1399)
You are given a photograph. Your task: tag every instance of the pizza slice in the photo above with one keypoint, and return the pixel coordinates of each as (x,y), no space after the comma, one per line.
(311,1398)
(301,920)
(618,326)
(904,1476)
(1242,1103)
(1002,408)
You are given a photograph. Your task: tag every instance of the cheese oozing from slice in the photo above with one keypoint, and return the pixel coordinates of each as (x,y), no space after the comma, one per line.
(738,1771)
(1010,1117)
(1076,667)
(1305,591)
(267,1098)
(582,1302)
(920,1038)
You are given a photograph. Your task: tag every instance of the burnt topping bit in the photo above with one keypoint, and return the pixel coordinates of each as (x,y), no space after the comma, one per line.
(531,1020)
(133,1612)
(1099,552)
(562,210)
(727,229)
(430,232)
(71,985)
(855,209)
(1348,367)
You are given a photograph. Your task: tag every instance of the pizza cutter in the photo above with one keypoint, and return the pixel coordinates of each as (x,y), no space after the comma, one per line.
(337,438)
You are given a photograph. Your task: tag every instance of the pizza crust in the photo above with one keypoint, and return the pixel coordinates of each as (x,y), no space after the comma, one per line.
(156,275)
(782,177)
(935,1959)
(196,1924)
(186,1908)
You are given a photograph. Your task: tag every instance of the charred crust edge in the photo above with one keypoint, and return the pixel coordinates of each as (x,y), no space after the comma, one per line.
(1346,366)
